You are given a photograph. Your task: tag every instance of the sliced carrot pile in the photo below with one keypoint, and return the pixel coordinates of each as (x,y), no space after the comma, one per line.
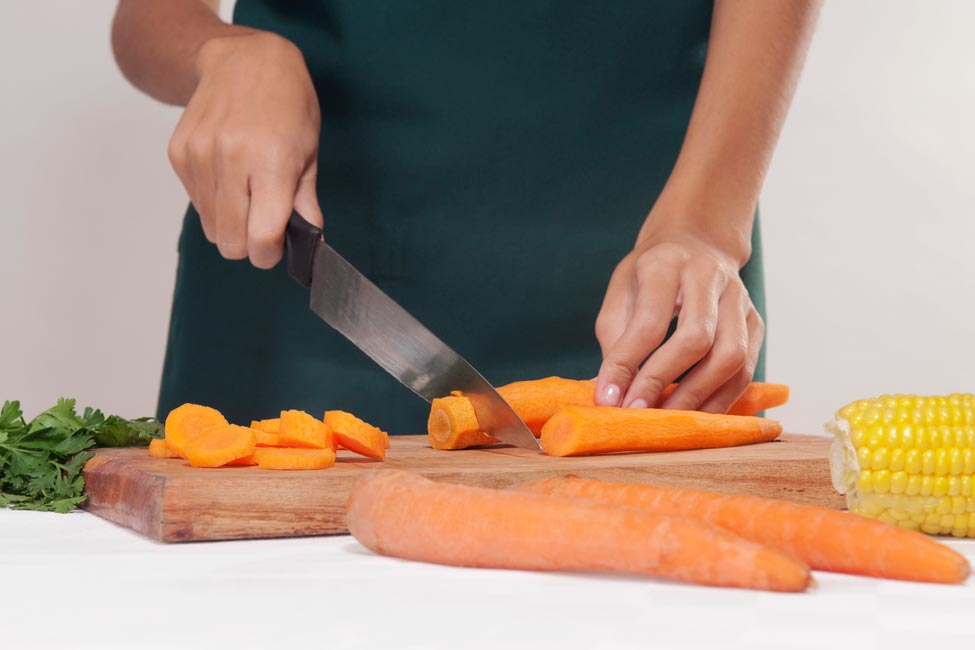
(188,421)
(355,435)
(220,445)
(265,439)
(402,514)
(826,539)
(538,400)
(271,458)
(580,430)
(272,425)
(298,429)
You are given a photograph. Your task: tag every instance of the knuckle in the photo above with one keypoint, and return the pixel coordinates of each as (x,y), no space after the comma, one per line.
(621,367)
(265,260)
(648,384)
(732,358)
(232,250)
(176,150)
(696,338)
(230,143)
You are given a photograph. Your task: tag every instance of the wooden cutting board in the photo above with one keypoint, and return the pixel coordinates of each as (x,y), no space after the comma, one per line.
(167,500)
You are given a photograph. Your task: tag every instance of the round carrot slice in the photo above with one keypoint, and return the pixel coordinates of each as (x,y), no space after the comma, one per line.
(188,421)
(220,445)
(283,458)
(355,435)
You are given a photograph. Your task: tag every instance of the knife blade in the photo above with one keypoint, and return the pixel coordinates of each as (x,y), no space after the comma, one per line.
(345,299)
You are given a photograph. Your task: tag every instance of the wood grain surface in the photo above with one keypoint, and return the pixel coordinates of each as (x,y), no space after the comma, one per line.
(167,500)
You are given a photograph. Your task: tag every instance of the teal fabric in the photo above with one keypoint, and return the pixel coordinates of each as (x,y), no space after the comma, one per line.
(486,164)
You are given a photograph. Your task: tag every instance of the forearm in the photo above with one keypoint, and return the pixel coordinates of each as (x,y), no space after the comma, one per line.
(156,43)
(755,54)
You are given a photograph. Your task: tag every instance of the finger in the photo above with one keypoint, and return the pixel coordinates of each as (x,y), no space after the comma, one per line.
(179,158)
(725,397)
(617,308)
(271,203)
(728,355)
(201,167)
(691,341)
(306,197)
(230,211)
(658,282)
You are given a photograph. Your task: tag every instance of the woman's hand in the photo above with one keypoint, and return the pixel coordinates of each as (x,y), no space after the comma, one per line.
(247,144)
(677,273)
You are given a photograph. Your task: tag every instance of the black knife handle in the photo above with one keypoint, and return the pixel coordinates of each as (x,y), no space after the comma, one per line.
(300,238)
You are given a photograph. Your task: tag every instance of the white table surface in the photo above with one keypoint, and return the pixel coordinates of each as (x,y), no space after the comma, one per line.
(76,581)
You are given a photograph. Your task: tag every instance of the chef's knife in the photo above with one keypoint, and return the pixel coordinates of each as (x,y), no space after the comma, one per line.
(377,325)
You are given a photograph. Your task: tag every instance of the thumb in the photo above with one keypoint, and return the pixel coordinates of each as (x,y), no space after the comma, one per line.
(306,197)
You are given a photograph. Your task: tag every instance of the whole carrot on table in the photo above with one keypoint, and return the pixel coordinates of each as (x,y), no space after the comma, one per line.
(399,513)
(826,539)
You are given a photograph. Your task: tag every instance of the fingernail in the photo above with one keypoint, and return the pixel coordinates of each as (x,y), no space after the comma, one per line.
(638,403)
(609,395)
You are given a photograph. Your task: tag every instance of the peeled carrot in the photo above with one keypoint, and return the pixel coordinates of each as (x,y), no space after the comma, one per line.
(220,445)
(271,425)
(271,458)
(398,513)
(827,540)
(580,430)
(188,421)
(355,435)
(159,449)
(453,424)
(298,429)
(536,401)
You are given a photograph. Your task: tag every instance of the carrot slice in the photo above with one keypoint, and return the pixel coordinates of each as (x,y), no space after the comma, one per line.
(265,439)
(220,445)
(246,461)
(298,429)
(536,401)
(272,425)
(398,513)
(159,449)
(188,421)
(828,540)
(270,458)
(355,435)
(579,430)
(453,424)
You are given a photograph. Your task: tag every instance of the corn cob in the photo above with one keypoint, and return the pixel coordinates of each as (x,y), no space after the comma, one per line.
(908,460)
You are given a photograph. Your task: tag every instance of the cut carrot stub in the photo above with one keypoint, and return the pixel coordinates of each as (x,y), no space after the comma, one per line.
(271,458)
(298,429)
(159,449)
(398,513)
(265,439)
(827,540)
(220,445)
(580,430)
(272,425)
(355,435)
(453,424)
(187,422)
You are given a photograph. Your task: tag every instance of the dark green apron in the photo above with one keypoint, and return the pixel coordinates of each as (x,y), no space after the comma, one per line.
(485,163)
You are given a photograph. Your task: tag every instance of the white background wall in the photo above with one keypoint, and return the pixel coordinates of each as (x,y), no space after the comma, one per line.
(868,212)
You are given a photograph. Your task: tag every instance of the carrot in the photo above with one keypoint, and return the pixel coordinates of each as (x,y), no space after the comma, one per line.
(188,421)
(827,540)
(298,429)
(269,458)
(355,435)
(272,425)
(220,445)
(537,401)
(159,449)
(265,439)
(398,513)
(453,424)
(247,461)
(579,430)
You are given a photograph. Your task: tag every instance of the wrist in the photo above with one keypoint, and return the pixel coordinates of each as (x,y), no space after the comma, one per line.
(216,49)
(727,231)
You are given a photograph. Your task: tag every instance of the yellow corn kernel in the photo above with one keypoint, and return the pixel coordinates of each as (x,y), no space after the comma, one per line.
(898,482)
(881,481)
(941,462)
(912,461)
(880,459)
(897,459)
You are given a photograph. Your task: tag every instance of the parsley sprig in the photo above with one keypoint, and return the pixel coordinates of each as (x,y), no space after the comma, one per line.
(41,460)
